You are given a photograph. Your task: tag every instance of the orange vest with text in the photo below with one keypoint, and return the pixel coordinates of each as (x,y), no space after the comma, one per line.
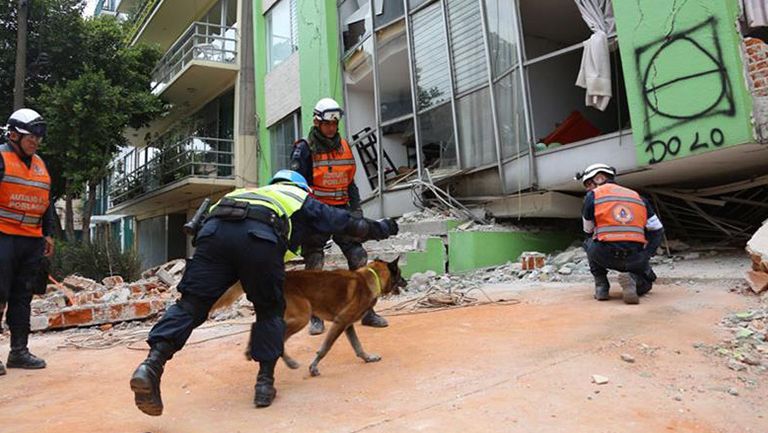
(24,195)
(332,173)
(620,214)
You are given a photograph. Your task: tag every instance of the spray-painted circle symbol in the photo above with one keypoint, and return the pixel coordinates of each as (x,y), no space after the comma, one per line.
(698,87)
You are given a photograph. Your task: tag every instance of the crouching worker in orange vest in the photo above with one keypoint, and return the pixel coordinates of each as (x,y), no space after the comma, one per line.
(624,234)
(26,225)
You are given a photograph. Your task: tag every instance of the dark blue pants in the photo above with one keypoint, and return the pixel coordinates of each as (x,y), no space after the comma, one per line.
(624,257)
(20,261)
(228,251)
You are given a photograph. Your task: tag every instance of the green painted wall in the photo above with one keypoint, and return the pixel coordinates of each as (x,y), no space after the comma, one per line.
(319,66)
(684,75)
(472,250)
(319,59)
(431,259)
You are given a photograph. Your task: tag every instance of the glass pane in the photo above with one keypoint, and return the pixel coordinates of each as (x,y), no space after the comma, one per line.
(431,57)
(465,29)
(394,80)
(387,11)
(438,145)
(502,35)
(355,21)
(231,12)
(476,129)
(282,136)
(279,28)
(416,3)
(509,108)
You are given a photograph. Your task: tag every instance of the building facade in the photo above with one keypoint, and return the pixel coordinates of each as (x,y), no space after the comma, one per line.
(478,97)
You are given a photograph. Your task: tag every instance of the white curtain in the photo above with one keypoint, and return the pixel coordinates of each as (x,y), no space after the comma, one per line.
(595,70)
(755,13)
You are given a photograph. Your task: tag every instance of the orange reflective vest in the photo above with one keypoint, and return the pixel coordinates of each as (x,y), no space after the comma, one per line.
(332,173)
(620,214)
(24,195)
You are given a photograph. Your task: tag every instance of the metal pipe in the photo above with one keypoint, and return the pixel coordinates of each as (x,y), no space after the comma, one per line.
(377,111)
(526,97)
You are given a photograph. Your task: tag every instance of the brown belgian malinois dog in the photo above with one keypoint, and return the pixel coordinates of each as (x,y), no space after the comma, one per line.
(340,297)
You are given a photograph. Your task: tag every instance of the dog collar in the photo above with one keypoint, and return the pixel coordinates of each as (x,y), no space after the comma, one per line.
(376,292)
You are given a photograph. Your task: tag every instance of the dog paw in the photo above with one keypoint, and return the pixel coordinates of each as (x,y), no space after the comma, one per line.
(314,371)
(291,363)
(372,357)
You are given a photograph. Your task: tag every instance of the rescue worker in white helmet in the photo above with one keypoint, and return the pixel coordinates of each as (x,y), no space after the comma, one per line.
(624,234)
(326,161)
(26,227)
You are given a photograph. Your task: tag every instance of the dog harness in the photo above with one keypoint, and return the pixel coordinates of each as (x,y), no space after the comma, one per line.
(376,292)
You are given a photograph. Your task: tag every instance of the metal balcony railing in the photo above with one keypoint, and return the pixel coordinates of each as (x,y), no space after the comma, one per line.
(144,170)
(201,41)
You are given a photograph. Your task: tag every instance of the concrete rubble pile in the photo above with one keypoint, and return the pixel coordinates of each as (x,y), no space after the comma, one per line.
(78,301)
(746,348)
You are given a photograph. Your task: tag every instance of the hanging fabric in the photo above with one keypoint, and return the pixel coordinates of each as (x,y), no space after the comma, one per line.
(595,70)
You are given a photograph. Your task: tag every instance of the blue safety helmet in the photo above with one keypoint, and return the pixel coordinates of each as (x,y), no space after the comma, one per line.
(291,177)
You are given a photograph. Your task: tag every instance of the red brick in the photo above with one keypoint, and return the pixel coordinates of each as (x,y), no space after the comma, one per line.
(116,312)
(758,281)
(55,320)
(137,288)
(79,316)
(142,309)
(752,41)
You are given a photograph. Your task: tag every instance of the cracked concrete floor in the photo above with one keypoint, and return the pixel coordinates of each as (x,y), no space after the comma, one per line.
(515,368)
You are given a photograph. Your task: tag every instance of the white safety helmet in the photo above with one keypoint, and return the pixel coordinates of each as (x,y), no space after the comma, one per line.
(26,121)
(593,171)
(328,110)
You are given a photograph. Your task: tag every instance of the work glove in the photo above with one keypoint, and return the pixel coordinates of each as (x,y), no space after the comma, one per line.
(391,226)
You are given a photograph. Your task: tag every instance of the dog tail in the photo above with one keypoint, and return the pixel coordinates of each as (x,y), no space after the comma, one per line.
(229,297)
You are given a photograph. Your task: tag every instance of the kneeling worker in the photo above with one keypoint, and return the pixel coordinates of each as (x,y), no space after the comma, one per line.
(625,233)
(245,237)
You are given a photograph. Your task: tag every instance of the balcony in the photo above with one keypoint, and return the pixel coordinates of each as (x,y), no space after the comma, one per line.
(161,22)
(201,63)
(146,179)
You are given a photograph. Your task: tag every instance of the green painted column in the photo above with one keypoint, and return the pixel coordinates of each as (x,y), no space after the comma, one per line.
(319,59)
(685,77)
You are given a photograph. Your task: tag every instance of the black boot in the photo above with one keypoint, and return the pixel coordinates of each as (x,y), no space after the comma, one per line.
(602,287)
(2,369)
(372,319)
(145,382)
(19,357)
(265,384)
(316,325)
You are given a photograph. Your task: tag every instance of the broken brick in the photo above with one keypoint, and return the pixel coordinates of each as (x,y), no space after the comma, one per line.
(758,281)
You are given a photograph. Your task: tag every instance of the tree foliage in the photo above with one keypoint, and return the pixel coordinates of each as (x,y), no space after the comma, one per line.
(87,114)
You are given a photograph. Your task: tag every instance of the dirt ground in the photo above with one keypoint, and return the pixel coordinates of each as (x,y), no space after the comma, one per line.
(512,368)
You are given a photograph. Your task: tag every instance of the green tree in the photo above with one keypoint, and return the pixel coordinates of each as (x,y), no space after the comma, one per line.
(88,113)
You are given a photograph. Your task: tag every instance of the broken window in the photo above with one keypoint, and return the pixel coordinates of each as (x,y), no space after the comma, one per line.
(355,22)
(394,79)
